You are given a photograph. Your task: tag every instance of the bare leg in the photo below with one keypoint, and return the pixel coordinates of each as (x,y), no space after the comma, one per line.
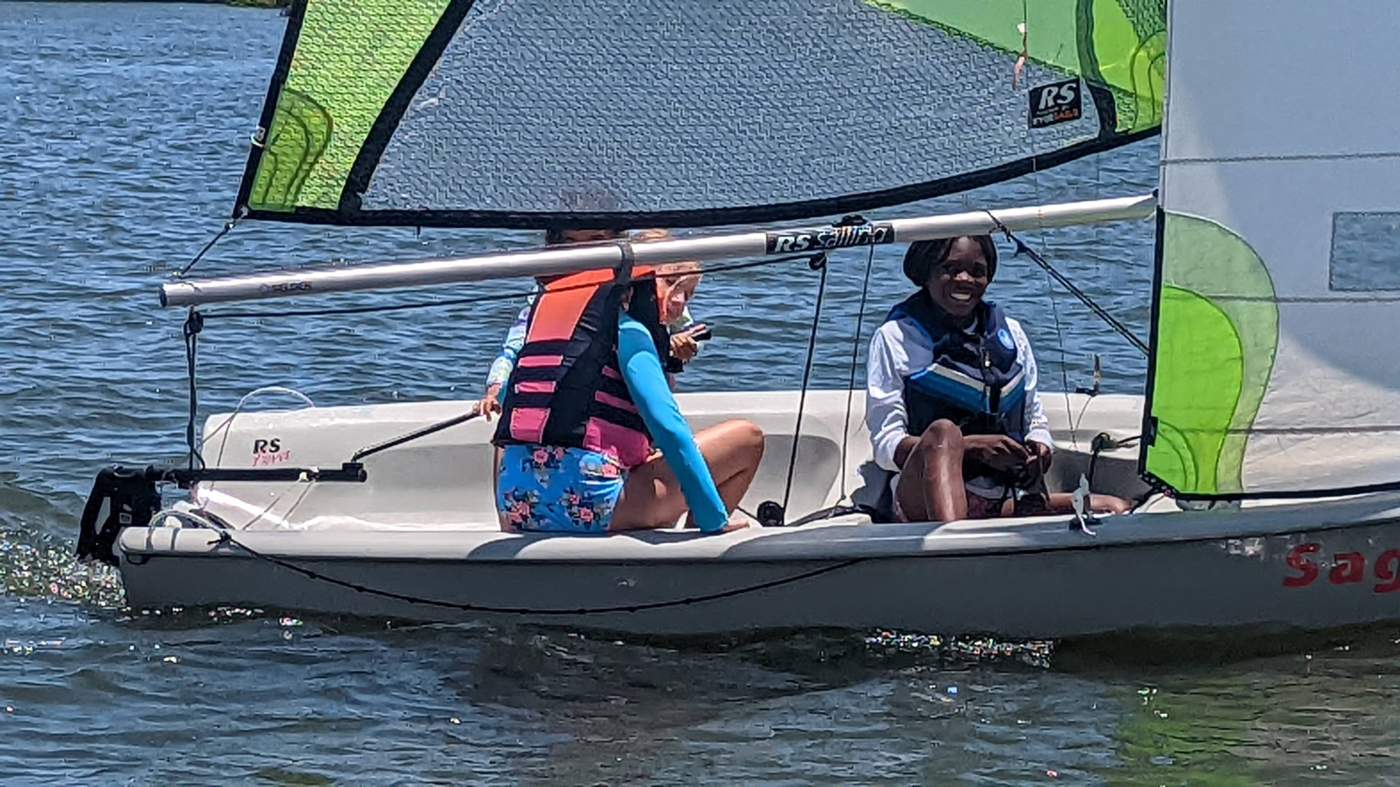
(738,444)
(931,481)
(653,498)
(496,452)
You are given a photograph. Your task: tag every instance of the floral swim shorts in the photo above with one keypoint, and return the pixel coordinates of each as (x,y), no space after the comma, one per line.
(558,490)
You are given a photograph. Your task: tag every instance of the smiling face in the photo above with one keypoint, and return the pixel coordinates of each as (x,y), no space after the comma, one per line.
(958,283)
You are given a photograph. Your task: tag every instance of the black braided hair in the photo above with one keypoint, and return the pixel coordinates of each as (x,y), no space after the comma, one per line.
(924,255)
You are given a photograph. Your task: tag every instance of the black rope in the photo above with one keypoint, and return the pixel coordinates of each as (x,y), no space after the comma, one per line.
(228,227)
(1103,441)
(225,537)
(1113,322)
(506,296)
(855,360)
(194,323)
(817,263)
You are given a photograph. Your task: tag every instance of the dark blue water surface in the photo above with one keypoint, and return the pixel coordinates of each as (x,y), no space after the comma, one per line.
(125,133)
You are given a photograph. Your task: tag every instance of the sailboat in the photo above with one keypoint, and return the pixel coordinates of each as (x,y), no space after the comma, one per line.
(1263,453)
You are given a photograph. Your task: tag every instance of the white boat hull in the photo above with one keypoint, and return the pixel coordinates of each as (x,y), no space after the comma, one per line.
(343,549)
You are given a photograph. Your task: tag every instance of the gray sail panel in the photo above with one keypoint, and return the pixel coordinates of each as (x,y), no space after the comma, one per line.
(667,108)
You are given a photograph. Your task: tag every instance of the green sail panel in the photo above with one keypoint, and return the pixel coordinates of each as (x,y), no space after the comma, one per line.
(1217,333)
(649,113)
(295,151)
(347,59)
(1117,45)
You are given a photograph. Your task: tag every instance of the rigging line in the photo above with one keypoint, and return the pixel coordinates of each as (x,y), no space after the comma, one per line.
(225,426)
(819,263)
(855,359)
(1059,328)
(225,537)
(194,323)
(228,227)
(286,515)
(202,518)
(1020,66)
(1063,364)
(1079,419)
(514,295)
(1097,229)
(1113,322)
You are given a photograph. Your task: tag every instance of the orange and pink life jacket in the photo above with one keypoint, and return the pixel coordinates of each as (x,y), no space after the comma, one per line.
(567,389)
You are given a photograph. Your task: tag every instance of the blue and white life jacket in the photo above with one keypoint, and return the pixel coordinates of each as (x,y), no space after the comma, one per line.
(976,379)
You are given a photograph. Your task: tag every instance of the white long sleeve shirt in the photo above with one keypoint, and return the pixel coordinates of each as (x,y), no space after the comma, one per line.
(900,348)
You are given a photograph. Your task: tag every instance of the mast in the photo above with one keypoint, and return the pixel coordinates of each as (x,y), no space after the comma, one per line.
(562,260)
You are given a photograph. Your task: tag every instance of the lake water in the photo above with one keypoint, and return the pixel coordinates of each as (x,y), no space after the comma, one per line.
(125,133)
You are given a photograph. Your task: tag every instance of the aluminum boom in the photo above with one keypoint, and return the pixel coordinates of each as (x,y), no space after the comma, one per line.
(570,259)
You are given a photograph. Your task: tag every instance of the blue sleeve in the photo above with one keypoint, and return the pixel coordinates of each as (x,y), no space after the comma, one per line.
(641,369)
(510,349)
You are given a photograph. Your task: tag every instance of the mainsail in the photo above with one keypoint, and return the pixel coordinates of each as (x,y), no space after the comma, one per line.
(527,113)
(1276,368)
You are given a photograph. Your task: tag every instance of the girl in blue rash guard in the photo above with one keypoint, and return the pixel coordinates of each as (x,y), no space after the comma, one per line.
(681,462)
(675,285)
(576,468)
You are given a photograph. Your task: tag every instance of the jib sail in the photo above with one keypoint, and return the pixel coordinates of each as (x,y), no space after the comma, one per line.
(1276,371)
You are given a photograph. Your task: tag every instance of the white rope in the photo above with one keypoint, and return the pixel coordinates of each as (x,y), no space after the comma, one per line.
(228,422)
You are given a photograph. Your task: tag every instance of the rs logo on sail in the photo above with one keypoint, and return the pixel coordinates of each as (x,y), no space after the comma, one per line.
(1055,103)
(1346,568)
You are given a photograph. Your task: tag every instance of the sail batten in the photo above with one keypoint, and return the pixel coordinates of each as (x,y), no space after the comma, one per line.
(534,114)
